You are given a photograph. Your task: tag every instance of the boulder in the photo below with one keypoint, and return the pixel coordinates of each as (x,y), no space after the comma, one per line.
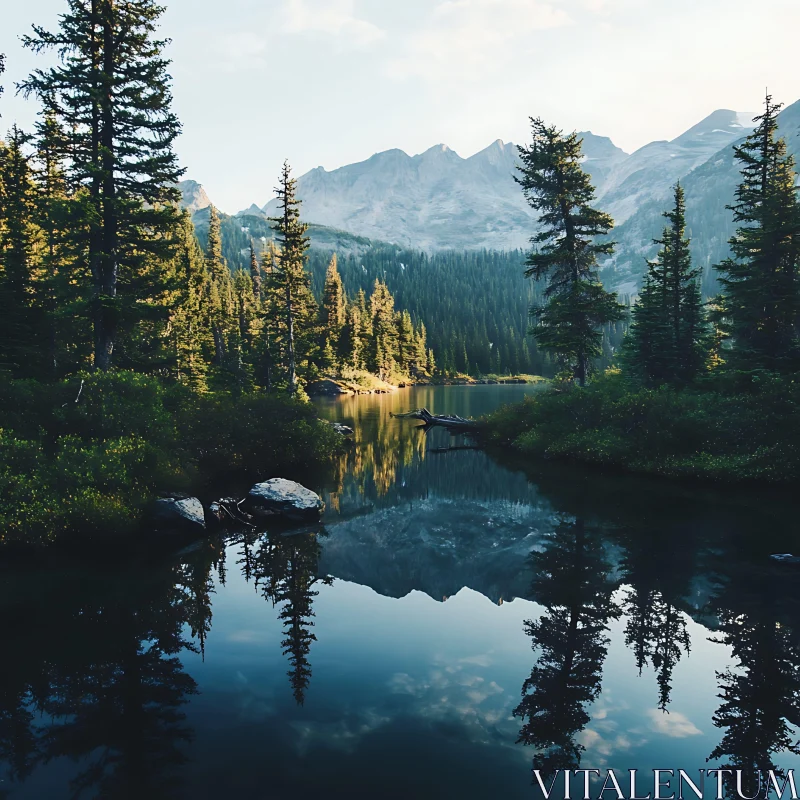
(179,512)
(287,498)
(342,430)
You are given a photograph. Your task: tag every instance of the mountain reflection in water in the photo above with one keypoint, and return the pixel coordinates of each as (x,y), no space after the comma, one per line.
(452,623)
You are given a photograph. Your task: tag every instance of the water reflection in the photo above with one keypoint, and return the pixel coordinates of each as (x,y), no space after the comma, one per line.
(285,570)
(760,691)
(93,674)
(440,585)
(572,580)
(656,630)
(394,461)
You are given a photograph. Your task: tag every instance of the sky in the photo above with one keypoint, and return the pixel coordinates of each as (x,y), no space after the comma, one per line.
(330,82)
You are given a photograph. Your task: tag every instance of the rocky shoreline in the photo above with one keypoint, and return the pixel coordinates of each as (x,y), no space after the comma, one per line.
(329,387)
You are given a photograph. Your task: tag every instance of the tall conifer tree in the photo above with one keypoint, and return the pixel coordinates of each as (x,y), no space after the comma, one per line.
(761,283)
(20,321)
(668,340)
(334,309)
(191,326)
(565,251)
(383,350)
(290,276)
(110,94)
(221,293)
(59,216)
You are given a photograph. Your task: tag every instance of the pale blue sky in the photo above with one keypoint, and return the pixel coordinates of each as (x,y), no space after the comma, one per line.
(328,82)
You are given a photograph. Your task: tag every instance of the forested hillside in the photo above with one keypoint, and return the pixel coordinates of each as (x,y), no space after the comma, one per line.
(475,304)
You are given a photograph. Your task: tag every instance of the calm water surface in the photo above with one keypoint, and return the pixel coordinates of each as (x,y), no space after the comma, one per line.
(452,624)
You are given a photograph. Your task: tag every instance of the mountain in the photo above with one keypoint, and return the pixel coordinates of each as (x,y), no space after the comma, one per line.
(650,172)
(193,196)
(709,189)
(438,200)
(432,201)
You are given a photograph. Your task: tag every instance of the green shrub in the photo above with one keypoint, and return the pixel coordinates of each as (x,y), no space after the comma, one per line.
(92,466)
(732,427)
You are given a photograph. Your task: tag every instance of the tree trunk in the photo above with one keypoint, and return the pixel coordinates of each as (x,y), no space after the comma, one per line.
(290,340)
(219,344)
(581,370)
(106,318)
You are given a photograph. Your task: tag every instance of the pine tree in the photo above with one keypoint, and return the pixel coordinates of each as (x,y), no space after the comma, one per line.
(383,351)
(668,340)
(565,252)
(421,347)
(255,274)
(270,311)
(110,95)
(351,343)
(430,366)
(220,290)
(366,325)
(190,320)
(761,295)
(333,316)
(58,216)
(406,346)
(20,322)
(292,280)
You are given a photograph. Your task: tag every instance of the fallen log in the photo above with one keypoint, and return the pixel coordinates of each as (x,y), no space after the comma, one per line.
(450,421)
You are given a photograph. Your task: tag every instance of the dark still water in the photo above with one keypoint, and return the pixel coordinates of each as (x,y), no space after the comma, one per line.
(452,624)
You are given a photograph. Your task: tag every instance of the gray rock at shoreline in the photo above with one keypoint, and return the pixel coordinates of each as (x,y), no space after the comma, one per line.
(342,430)
(179,513)
(287,498)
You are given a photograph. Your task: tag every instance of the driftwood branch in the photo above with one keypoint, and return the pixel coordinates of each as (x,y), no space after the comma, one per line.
(451,421)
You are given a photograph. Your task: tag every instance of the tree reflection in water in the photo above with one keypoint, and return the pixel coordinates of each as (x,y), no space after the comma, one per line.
(761,694)
(285,570)
(96,677)
(572,581)
(657,575)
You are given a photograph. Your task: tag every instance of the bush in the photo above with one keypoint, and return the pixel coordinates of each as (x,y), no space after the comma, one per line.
(706,431)
(92,466)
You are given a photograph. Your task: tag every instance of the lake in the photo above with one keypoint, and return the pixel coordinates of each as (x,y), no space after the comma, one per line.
(454,623)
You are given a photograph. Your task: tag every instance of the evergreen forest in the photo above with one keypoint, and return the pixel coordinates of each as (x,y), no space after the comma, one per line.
(141,348)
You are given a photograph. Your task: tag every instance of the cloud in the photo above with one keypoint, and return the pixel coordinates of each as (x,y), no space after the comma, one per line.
(334,19)
(473,37)
(343,734)
(674,724)
(241,50)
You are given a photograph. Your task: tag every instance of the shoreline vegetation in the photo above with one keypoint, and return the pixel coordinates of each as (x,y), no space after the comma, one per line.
(713,431)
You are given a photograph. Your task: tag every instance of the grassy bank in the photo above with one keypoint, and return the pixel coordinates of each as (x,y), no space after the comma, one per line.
(733,428)
(88,454)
